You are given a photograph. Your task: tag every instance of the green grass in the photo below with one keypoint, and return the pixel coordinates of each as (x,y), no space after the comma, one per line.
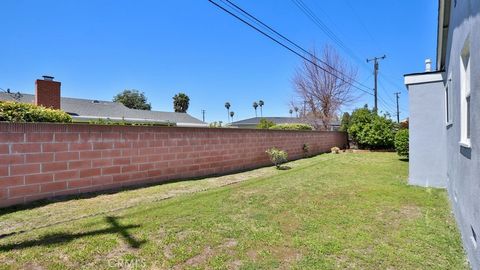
(346,211)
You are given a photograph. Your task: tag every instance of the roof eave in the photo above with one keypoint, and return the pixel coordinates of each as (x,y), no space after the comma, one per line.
(442,31)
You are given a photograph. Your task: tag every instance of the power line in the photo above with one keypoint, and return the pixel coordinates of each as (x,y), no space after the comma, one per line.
(290,41)
(287,47)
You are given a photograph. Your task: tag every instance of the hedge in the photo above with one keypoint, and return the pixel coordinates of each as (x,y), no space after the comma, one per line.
(24,112)
(401,142)
(293,126)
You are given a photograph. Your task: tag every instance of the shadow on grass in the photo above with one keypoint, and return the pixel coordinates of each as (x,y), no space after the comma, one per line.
(62,238)
(403,159)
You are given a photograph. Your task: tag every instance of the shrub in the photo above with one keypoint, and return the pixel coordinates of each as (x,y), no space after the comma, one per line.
(370,130)
(265,124)
(25,112)
(335,150)
(293,126)
(401,142)
(345,122)
(277,156)
(306,148)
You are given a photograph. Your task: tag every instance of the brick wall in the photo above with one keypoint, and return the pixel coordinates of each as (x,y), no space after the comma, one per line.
(46,160)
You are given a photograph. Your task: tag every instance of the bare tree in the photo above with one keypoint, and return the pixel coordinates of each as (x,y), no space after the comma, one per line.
(323,87)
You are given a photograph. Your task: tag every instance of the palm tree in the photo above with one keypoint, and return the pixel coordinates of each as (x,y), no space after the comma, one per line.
(290,111)
(181,102)
(255,106)
(232,113)
(227,105)
(261,103)
(296,110)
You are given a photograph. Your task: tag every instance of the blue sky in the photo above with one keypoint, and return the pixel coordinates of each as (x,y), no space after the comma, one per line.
(97,48)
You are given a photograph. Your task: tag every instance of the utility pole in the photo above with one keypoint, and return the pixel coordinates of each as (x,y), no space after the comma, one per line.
(203,115)
(375,72)
(397,94)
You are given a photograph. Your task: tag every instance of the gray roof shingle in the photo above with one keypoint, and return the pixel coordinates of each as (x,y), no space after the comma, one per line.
(94,109)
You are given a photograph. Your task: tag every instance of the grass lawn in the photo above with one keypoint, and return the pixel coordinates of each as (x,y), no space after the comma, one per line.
(328,212)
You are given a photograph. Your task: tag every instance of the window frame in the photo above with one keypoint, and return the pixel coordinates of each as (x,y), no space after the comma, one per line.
(465,93)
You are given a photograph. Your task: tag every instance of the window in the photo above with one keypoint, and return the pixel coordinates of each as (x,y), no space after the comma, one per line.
(465,94)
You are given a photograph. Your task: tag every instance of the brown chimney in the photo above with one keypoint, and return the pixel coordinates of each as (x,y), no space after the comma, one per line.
(47,93)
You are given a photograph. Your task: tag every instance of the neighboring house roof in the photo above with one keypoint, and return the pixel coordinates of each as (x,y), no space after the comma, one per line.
(276,120)
(89,109)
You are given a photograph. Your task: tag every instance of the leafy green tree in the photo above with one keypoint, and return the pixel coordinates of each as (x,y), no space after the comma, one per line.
(401,142)
(370,130)
(133,99)
(265,124)
(345,122)
(181,103)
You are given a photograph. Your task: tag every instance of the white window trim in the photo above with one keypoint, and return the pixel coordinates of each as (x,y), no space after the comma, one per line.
(464,94)
(448,102)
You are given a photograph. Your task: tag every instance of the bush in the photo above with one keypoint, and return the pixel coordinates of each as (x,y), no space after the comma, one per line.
(293,126)
(401,142)
(25,112)
(370,130)
(345,122)
(277,156)
(265,124)
(335,150)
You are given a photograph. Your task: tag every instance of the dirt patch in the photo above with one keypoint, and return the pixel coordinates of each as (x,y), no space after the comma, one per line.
(209,252)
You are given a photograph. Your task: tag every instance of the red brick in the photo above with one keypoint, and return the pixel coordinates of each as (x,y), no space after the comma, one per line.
(129,168)
(24,169)
(121,161)
(3,193)
(111,136)
(53,187)
(80,146)
(54,147)
(91,137)
(84,173)
(66,175)
(102,180)
(11,181)
(23,190)
(26,148)
(90,154)
(80,164)
(54,166)
(139,159)
(129,152)
(39,137)
(11,137)
(3,171)
(66,137)
(39,157)
(130,136)
(111,170)
(111,153)
(146,167)
(38,178)
(4,149)
(102,145)
(80,183)
(67,156)
(12,159)
(122,145)
(101,163)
